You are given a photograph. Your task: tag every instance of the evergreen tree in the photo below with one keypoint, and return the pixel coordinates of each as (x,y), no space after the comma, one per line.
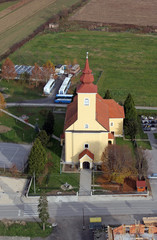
(43,209)
(43,137)
(107,95)
(49,123)
(130,122)
(37,158)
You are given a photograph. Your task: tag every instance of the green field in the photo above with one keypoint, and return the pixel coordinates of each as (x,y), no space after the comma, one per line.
(5,5)
(128,60)
(27,26)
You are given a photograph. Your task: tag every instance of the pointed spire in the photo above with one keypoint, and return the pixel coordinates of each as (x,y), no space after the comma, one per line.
(87,76)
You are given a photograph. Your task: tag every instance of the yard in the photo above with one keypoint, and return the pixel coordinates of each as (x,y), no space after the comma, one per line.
(127,61)
(17,91)
(21,133)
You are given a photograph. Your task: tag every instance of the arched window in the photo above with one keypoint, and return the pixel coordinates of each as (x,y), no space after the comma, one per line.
(86,101)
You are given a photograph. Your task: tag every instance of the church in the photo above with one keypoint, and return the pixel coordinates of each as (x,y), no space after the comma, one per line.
(91,123)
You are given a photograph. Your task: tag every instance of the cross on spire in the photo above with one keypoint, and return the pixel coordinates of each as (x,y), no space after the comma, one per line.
(87,76)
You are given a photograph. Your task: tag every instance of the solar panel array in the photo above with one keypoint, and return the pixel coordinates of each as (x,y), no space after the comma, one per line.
(20,69)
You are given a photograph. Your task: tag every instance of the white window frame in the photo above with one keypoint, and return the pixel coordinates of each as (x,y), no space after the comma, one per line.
(86,101)
(85,145)
(86,126)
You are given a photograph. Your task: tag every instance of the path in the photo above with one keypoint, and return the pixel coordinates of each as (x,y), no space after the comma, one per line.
(153,140)
(85,183)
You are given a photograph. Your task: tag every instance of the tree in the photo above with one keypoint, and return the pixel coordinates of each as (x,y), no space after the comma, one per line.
(49,123)
(107,95)
(36,74)
(48,70)
(24,77)
(8,70)
(43,137)
(130,122)
(37,158)
(43,209)
(2,103)
(141,162)
(118,163)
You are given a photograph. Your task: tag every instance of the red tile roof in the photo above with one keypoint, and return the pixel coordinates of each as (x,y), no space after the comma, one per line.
(86,152)
(102,116)
(87,76)
(87,88)
(141,183)
(115,110)
(110,136)
(71,113)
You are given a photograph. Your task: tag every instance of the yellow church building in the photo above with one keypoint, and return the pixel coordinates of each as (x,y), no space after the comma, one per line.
(91,123)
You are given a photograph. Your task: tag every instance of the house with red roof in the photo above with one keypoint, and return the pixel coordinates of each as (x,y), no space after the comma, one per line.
(91,123)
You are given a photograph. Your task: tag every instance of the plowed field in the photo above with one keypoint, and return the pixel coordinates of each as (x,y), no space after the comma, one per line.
(137,12)
(22,18)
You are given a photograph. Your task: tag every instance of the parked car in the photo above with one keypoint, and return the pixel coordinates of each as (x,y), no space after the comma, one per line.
(152,176)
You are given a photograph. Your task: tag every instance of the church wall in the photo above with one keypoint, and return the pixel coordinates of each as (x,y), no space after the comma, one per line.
(76,141)
(117,127)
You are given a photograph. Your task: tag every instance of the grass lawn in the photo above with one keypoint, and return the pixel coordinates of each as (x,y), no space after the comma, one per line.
(128,60)
(18,91)
(146,112)
(30,229)
(155,135)
(121,141)
(144,144)
(53,180)
(20,132)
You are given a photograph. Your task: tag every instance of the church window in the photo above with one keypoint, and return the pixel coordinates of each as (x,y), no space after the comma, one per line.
(86,101)
(111,124)
(86,145)
(86,125)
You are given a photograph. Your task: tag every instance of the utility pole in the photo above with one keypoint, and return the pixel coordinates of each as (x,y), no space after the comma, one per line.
(34,184)
(83,222)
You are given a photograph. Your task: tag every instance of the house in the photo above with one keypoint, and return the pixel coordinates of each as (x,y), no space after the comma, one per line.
(75,69)
(133,231)
(91,123)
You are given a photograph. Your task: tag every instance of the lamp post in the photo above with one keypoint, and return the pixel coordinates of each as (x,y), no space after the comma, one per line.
(83,222)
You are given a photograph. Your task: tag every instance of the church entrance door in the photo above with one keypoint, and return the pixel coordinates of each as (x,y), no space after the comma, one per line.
(86,165)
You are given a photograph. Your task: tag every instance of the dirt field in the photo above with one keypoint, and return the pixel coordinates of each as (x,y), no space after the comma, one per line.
(137,12)
(21,19)
(26,11)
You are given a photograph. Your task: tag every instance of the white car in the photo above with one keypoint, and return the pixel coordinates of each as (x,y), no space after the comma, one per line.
(152,176)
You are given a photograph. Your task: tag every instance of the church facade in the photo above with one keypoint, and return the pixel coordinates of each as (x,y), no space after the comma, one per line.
(91,123)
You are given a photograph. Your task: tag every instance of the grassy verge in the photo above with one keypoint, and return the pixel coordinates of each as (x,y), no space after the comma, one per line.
(53,180)
(21,133)
(155,135)
(27,229)
(126,60)
(144,144)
